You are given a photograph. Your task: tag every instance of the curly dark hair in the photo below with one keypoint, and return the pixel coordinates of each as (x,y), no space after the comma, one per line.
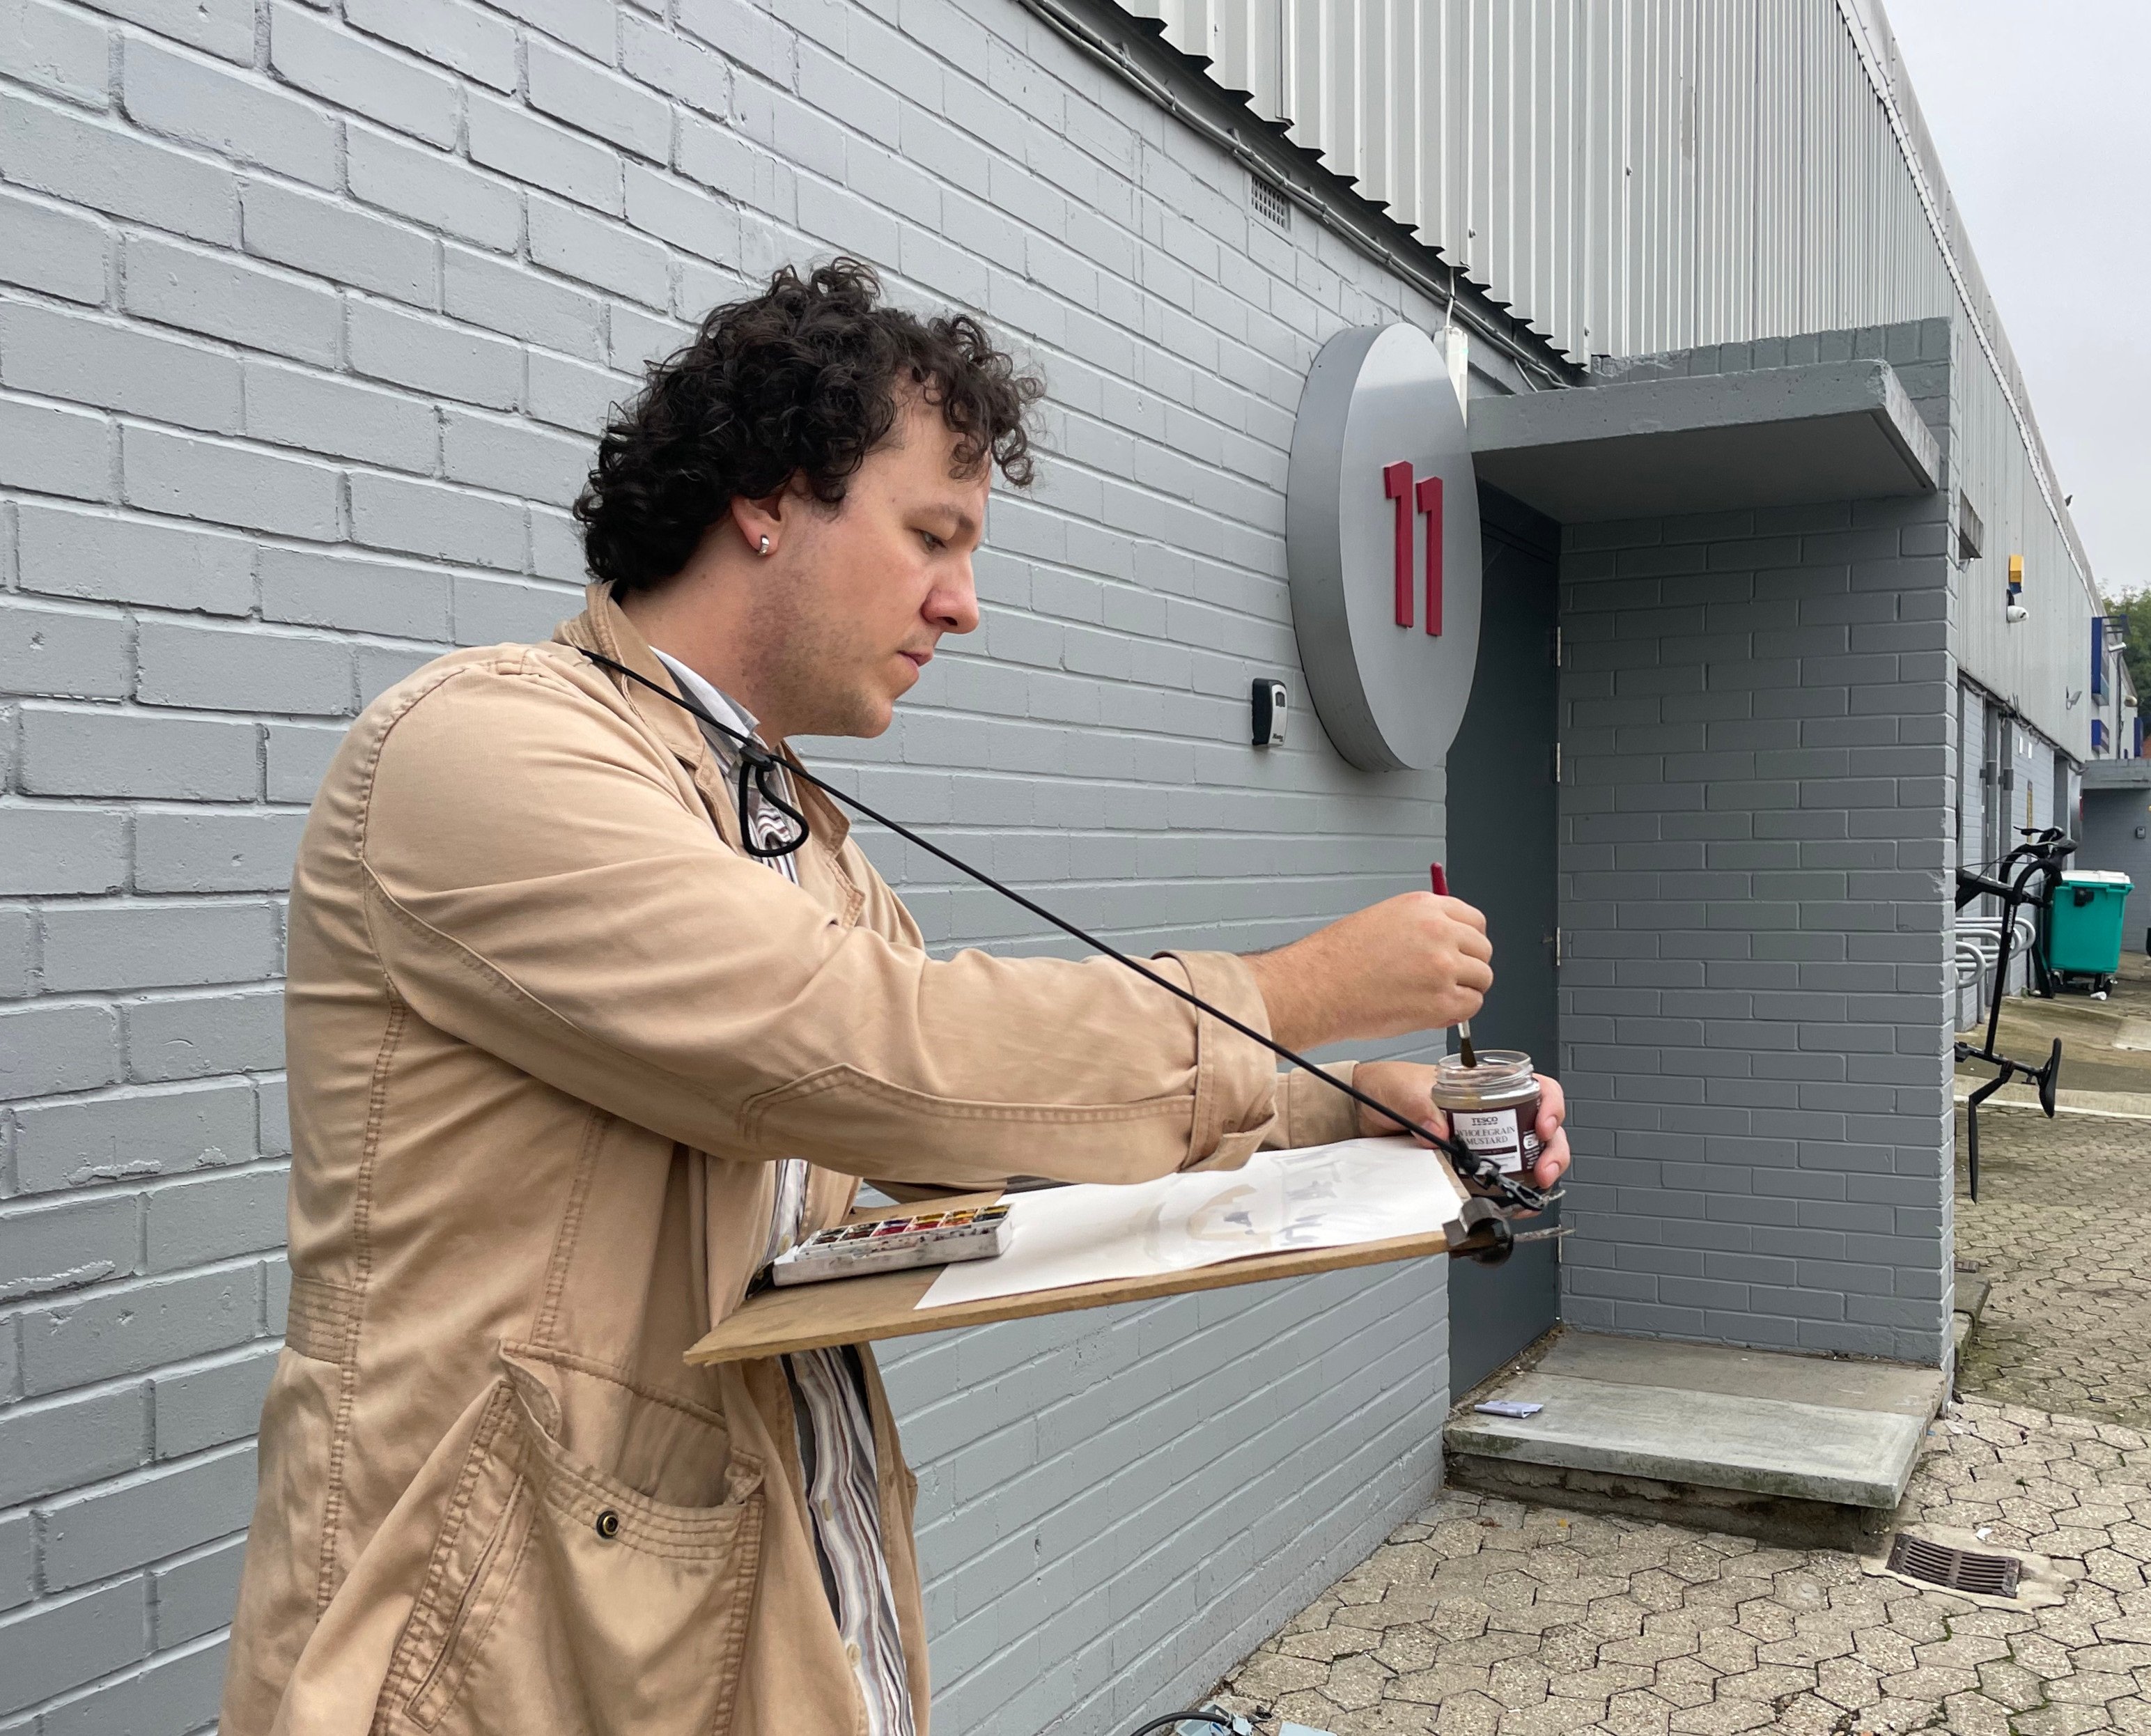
(804,380)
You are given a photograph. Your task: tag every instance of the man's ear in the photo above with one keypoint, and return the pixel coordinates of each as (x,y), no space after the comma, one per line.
(756,520)
(772,515)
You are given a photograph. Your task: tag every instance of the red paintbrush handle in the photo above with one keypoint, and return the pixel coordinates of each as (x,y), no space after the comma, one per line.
(1440,882)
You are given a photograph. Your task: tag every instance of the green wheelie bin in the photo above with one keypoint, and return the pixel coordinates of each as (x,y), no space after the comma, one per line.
(2083,928)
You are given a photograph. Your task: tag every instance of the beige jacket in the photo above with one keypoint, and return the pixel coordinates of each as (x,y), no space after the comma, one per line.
(547,1027)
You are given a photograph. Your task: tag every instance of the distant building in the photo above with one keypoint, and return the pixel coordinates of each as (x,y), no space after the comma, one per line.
(2116,726)
(2117,836)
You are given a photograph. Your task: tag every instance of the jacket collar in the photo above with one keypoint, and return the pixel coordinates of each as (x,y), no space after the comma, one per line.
(604,627)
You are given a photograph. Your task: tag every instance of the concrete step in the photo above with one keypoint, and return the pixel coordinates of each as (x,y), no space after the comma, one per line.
(1971,1293)
(1801,1450)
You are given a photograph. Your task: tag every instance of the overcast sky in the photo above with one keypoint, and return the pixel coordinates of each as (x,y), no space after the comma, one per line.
(2041,112)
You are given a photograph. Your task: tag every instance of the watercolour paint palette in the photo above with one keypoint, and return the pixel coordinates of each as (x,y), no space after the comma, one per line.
(894,1244)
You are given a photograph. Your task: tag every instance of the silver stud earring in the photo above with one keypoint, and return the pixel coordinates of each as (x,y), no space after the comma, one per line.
(764,546)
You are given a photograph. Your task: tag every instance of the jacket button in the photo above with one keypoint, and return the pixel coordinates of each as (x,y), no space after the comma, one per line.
(608,1523)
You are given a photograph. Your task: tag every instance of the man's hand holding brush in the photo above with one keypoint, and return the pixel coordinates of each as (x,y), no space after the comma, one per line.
(1419,961)
(1415,962)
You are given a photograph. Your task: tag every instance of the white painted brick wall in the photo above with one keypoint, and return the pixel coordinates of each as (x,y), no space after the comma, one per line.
(308,313)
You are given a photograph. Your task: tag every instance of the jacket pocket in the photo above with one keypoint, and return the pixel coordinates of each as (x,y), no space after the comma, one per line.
(561,1597)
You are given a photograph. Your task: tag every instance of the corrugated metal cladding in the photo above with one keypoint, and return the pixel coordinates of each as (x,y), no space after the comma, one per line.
(1627,175)
(1632,176)
(2037,664)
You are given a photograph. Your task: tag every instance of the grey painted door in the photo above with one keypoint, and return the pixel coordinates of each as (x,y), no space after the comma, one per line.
(1501,827)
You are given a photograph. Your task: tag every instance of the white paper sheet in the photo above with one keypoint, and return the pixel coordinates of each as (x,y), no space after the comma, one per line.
(1362,1190)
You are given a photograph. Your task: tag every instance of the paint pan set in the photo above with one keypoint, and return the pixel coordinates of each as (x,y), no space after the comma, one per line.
(894,1244)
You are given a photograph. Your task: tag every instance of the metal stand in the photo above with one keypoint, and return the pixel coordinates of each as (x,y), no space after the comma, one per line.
(2040,856)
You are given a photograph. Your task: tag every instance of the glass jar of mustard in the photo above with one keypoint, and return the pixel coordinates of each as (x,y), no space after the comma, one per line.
(1493,1108)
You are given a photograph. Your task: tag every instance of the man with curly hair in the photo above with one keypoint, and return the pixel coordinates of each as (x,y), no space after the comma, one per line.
(583,1033)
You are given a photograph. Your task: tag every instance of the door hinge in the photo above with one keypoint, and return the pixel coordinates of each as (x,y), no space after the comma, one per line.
(1553,940)
(1556,648)
(1556,762)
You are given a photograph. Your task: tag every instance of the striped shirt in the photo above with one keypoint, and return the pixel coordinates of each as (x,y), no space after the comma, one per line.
(828,1386)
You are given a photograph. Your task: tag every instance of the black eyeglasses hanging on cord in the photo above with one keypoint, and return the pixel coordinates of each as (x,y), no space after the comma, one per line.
(765,768)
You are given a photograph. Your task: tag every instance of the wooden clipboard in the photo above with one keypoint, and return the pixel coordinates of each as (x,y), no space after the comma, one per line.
(885,1305)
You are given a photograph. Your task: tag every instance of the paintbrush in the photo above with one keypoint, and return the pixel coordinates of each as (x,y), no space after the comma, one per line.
(1463,1025)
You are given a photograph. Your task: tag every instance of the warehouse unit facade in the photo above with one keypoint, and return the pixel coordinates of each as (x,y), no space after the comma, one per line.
(308,316)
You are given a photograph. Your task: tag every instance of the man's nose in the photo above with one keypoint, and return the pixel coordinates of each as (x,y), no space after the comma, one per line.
(954,606)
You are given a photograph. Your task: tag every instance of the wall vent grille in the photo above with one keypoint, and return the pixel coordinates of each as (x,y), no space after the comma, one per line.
(1270,204)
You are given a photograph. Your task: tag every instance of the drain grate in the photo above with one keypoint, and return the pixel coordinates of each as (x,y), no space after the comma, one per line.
(1960,1570)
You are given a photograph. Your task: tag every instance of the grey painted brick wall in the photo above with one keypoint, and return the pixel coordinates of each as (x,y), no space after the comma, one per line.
(1218,1492)
(308,312)
(1759,719)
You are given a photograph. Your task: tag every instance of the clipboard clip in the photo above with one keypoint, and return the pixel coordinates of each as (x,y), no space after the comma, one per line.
(1489,1238)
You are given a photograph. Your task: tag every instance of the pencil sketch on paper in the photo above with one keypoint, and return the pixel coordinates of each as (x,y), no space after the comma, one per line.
(1361,1190)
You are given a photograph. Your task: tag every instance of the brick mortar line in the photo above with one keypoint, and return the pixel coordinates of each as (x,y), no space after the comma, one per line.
(138,1475)
(111,1385)
(357,554)
(77,1696)
(242,441)
(105,1583)
(26,1203)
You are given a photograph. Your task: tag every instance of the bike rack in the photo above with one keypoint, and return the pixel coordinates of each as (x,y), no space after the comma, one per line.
(1979,945)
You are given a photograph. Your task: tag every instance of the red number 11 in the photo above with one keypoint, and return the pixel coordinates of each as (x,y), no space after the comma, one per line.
(1429,502)
(1426,497)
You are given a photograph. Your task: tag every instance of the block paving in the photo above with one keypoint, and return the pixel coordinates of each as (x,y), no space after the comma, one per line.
(2060,1230)
(1486,1618)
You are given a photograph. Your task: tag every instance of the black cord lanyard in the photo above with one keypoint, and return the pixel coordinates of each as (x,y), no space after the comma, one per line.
(766,766)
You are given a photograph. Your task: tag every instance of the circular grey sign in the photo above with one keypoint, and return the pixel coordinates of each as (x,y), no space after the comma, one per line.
(1382,548)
